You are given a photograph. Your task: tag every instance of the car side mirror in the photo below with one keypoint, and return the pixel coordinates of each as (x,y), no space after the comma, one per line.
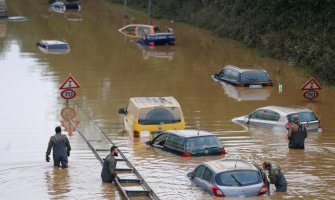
(123,111)
(190,174)
(148,142)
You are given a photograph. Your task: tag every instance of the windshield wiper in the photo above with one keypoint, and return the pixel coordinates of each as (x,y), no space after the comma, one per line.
(239,183)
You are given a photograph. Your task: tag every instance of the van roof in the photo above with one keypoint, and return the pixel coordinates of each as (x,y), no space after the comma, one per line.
(155,101)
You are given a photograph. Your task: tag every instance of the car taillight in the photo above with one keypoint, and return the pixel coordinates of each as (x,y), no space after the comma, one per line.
(46,46)
(216,191)
(223,151)
(136,134)
(240,85)
(186,154)
(263,190)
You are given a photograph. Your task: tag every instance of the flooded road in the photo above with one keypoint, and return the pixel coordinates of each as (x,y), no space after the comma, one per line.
(112,68)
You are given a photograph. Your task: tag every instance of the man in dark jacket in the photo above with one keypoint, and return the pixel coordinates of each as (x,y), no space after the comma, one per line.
(296,134)
(108,169)
(276,176)
(61,147)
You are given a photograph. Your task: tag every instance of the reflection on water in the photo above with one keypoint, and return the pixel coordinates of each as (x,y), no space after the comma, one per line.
(111,70)
(3,29)
(245,93)
(166,52)
(58,182)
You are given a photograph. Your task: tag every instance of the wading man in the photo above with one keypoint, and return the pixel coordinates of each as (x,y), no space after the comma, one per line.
(276,176)
(108,169)
(60,145)
(296,134)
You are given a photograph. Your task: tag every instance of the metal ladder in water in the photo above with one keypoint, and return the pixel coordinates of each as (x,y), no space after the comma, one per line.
(128,174)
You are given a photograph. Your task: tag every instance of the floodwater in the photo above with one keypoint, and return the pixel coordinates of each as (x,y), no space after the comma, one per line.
(110,69)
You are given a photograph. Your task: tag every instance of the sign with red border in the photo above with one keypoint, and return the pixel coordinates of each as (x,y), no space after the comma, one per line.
(68,94)
(311,84)
(70,83)
(68,113)
(311,94)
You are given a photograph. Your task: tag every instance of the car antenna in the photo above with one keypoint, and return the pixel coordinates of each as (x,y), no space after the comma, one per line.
(235,163)
(198,132)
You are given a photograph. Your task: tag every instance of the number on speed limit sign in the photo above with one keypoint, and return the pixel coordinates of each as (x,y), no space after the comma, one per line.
(311,94)
(68,94)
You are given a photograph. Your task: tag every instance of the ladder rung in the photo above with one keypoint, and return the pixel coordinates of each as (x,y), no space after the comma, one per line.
(124,169)
(102,149)
(127,180)
(137,192)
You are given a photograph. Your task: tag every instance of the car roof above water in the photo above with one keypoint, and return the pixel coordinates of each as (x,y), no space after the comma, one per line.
(225,165)
(286,110)
(245,69)
(189,133)
(155,101)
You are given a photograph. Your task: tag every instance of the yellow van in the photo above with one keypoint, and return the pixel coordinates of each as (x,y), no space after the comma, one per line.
(146,117)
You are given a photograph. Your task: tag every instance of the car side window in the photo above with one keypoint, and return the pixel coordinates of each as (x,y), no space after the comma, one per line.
(207,175)
(160,140)
(257,114)
(199,171)
(270,115)
(175,142)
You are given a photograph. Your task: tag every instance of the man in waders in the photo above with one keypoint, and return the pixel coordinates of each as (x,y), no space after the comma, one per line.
(296,134)
(108,169)
(276,176)
(61,148)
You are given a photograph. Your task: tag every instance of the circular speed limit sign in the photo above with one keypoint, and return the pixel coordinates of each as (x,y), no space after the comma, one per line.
(68,94)
(311,94)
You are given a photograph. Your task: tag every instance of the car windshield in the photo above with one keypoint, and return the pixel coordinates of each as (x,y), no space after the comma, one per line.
(161,115)
(303,117)
(255,76)
(202,143)
(238,178)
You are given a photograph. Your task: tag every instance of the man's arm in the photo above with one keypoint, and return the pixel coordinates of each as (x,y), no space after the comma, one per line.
(49,146)
(112,165)
(67,143)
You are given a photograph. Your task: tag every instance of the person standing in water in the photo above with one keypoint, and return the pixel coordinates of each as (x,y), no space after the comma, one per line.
(60,145)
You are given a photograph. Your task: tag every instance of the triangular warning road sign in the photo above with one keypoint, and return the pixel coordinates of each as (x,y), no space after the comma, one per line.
(311,84)
(70,83)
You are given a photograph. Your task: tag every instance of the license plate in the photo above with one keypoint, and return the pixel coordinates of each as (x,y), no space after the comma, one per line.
(145,133)
(255,86)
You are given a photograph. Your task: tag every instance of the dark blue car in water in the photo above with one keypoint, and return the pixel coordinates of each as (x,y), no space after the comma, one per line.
(188,143)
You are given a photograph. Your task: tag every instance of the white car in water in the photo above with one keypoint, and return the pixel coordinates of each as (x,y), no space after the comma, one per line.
(224,178)
(279,117)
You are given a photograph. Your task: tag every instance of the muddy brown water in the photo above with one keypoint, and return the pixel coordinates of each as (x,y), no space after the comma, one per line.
(112,68)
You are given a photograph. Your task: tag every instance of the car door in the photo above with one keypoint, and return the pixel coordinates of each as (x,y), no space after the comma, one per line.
(264,117)
(174,144)
(202,178)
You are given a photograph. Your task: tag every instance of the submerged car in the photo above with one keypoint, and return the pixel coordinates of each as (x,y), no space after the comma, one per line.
(53,46)
(149,34)
(280,117)
(253,78)
(223,178)
(57,6)
(188,143)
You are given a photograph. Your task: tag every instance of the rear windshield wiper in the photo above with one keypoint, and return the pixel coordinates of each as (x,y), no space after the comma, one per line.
(238,182)
(210,147)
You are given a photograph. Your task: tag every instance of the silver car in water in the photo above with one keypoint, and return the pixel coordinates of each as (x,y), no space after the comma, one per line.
(223,178)
(279,117)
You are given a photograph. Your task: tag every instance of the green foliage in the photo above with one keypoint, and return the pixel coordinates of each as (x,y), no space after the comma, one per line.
(299,30)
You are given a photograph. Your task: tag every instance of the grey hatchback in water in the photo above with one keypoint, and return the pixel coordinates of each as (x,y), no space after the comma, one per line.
(280,117)
(188,143)
(224,178)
